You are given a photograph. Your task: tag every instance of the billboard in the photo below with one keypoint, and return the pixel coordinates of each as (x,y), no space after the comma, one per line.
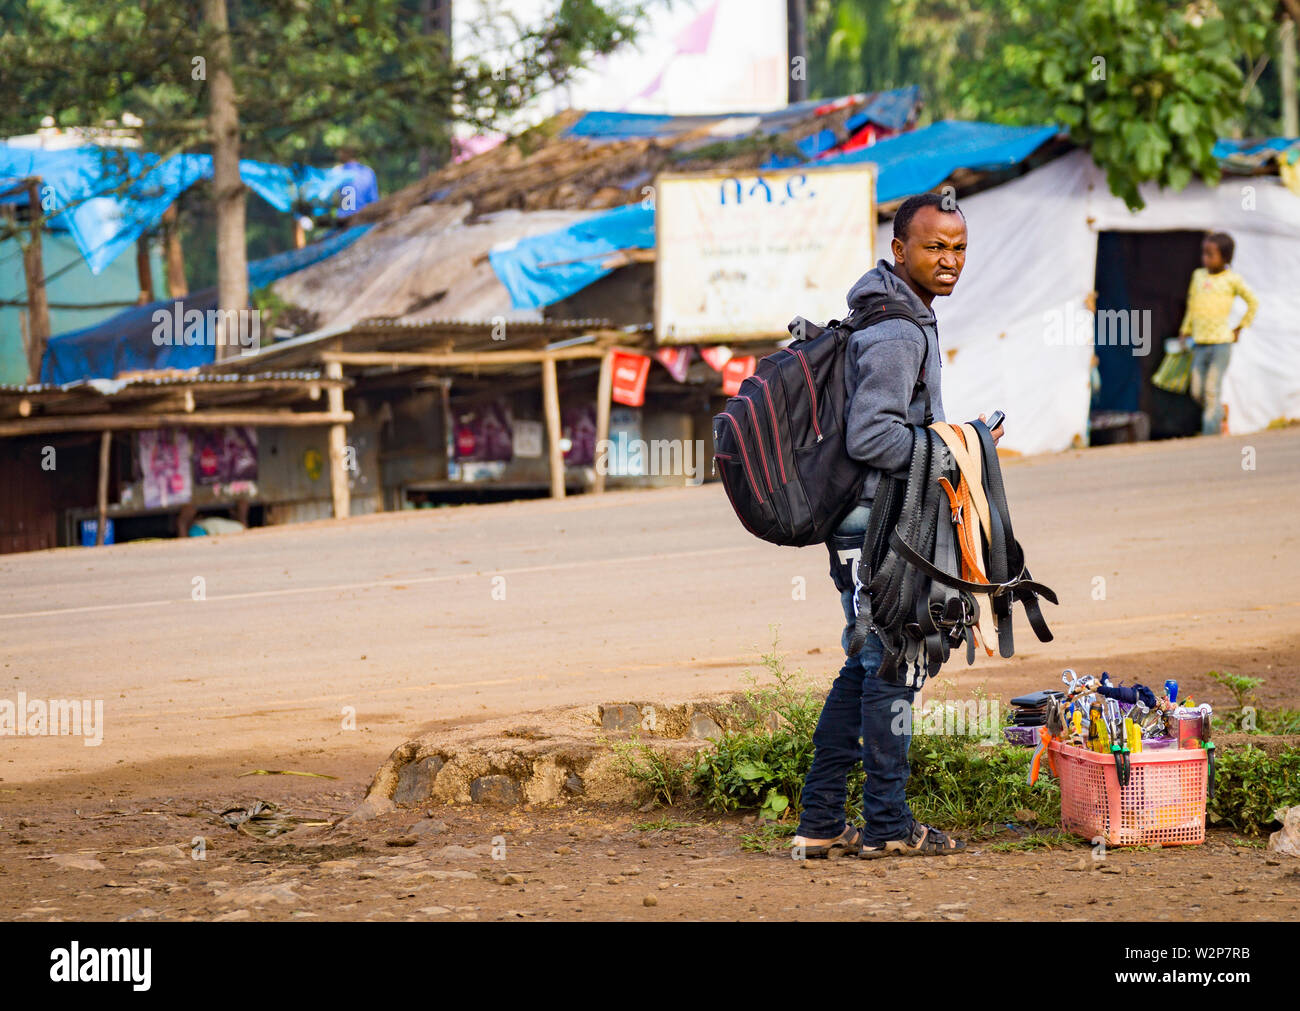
(738,256)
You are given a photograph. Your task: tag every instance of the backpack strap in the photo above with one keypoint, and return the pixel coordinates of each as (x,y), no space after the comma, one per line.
(878,312)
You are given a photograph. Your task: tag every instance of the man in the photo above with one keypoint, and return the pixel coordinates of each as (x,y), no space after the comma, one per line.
(886,393)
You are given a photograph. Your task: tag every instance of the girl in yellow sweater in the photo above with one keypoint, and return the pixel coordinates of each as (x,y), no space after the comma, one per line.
(1214,287)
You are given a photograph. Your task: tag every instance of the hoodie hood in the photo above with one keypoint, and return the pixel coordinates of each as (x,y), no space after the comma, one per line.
(881,280)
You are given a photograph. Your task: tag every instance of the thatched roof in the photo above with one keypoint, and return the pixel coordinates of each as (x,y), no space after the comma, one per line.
(429,262)
(549,167)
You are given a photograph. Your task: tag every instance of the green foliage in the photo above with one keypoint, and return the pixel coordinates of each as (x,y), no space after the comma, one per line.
(1250,786)
(664,824)
(311,76)
(1242,688)
(870,45)
(1039,841)
(763,763)
(957,784)
(661,779)
(1247,716)
(767,837)
(1146,86)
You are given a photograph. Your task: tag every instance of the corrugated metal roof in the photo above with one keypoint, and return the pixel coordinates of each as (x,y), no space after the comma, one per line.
(111,387)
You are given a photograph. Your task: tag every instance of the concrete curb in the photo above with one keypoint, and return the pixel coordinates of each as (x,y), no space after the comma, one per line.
(549,757)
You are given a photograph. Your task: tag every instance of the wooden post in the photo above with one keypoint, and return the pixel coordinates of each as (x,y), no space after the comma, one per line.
(338,438)
(143,271)
(1287,72)
(105,444)
(38,305)
(299,233)
(551,402)
(603,389)
(227,186)
(177,286)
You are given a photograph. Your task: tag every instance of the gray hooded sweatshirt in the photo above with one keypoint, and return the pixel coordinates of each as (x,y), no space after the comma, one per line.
(880,374)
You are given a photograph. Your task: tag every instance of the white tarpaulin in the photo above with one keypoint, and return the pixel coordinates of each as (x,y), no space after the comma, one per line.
(1017,334)
(735,253)
(1029,264)
(1263,217)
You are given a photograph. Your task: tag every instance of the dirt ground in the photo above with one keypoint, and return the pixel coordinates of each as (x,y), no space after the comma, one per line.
(136,862)
(318,648)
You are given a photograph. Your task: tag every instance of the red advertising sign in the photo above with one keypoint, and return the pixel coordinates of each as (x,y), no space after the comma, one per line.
(630,372)
(716,356)
(735,372)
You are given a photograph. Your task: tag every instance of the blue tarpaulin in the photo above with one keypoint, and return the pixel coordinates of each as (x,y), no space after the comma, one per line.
(920,160)
(108,197)
(1226,147)
(892,109)
(126,341)
(546,268)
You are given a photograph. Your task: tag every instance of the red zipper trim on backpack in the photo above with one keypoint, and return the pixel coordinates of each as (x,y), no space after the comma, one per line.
(812,392)
(771,416)
(744,454)
(762,451)
(727,485)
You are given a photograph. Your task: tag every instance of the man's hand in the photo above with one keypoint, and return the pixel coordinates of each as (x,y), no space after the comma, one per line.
(998,432)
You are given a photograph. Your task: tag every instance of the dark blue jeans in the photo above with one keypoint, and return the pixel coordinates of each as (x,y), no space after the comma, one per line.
(864,719)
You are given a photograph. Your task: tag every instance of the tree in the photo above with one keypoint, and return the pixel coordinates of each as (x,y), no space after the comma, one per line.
(304,77)
(1147,86)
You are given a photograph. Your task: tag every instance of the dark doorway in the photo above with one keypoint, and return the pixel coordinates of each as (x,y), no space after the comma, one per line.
(1144,271)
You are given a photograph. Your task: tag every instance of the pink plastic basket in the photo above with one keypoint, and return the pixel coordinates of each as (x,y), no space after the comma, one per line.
(1163,803)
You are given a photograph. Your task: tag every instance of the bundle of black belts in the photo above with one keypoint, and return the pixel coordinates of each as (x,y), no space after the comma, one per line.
(912,591)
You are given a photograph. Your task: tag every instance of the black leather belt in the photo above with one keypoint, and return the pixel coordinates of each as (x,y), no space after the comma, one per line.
(916,600)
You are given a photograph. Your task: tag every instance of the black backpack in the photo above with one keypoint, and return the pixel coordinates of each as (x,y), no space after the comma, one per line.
(779,443)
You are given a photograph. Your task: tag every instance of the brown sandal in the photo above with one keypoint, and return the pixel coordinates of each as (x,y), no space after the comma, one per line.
(923,841)
(847,842)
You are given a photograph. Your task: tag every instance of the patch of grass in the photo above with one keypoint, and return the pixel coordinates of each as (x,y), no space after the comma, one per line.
(664,824)
(659,778)
(1255,844)
(1242,688)
(1250,786)
(1246,715)
(767,837)
(763,764)
(1039,841)
(958,784)
(955,782)
(1252,720)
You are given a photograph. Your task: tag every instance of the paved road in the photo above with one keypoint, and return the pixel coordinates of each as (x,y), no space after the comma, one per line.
(1170,559)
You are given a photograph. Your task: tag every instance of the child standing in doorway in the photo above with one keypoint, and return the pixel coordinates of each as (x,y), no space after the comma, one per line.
(1215,285)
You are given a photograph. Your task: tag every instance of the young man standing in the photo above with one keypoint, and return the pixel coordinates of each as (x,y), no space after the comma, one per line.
(886,393)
